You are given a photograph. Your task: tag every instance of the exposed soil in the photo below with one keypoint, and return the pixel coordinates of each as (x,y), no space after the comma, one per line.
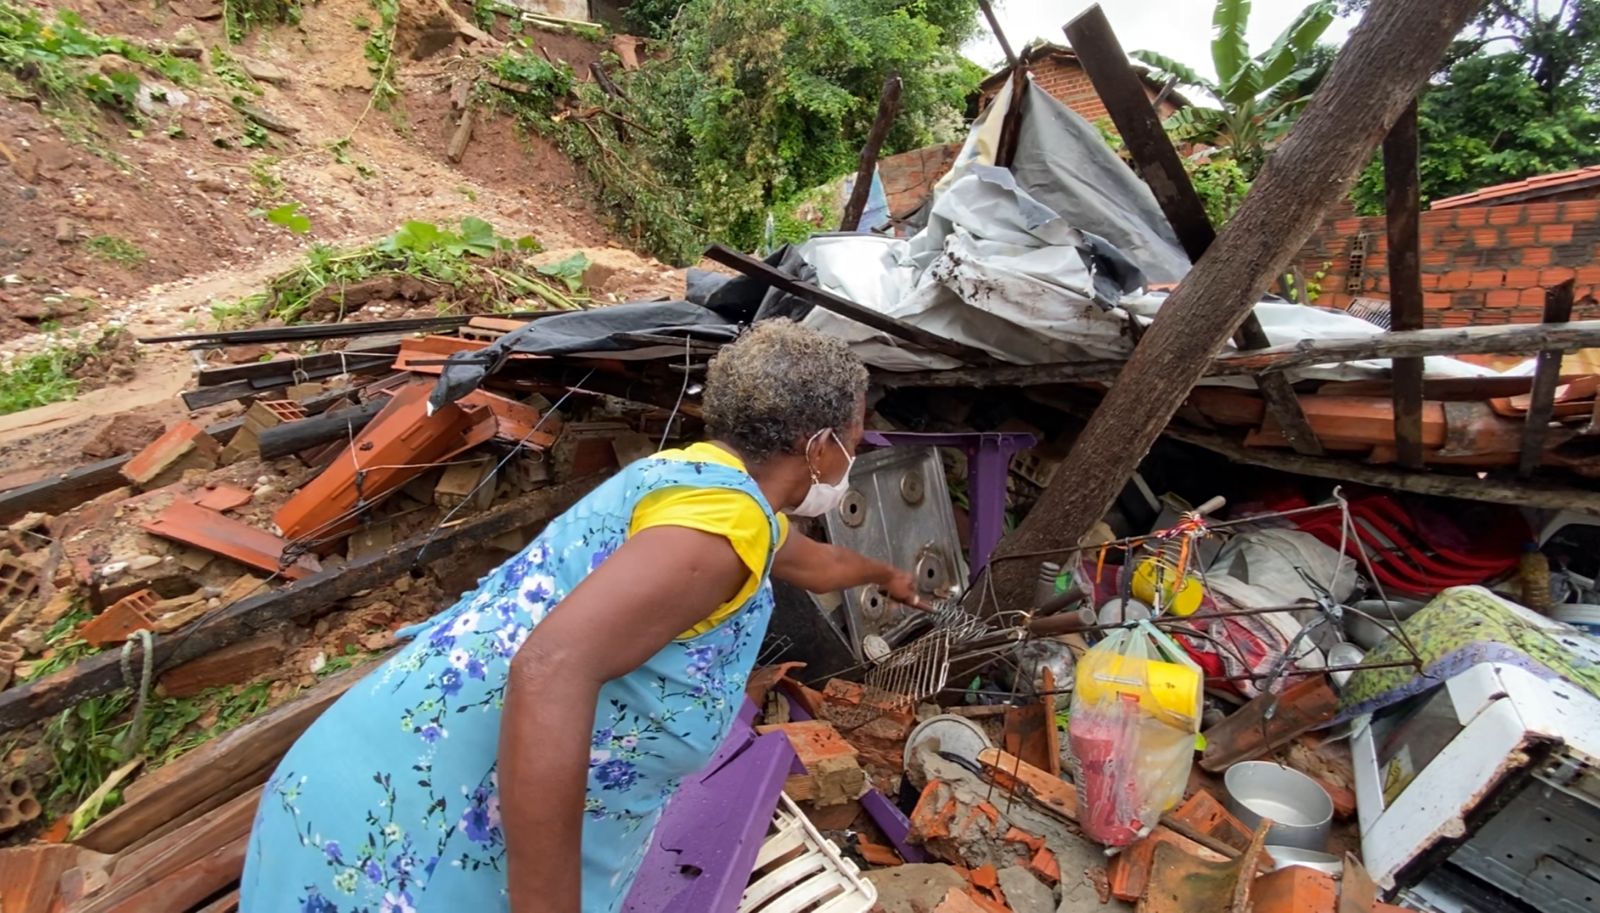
(192,204)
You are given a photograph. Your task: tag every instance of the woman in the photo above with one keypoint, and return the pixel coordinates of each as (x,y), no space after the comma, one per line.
(518,754)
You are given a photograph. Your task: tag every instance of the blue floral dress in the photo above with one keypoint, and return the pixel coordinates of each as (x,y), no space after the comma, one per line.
(388,803)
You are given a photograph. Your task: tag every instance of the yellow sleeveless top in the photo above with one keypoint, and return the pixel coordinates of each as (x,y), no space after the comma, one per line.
(725,512)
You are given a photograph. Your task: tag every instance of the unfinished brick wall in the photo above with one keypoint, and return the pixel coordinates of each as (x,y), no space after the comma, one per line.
(1064,78)
(909,177)
(1481,265)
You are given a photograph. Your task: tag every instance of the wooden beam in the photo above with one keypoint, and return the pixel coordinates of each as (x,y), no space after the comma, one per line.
(101,673)
(1005,147)
(1513,339)
(844,307)
(1517,339)
(1381,68)
(1403,201)
(1467,488)
(1000,36)
(888,104)
(1157,161)
(1546,374)
(1154,157)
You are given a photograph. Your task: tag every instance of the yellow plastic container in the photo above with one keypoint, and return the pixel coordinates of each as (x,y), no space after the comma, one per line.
(1179,598)
(1171,688)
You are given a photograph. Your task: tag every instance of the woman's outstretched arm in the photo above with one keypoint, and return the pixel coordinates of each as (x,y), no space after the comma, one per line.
(661,582)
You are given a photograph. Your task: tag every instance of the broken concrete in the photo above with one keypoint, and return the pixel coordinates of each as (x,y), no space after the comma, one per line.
(914,888)
(1024,893)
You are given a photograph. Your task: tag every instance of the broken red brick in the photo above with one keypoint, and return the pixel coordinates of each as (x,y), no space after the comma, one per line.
(515,422)
(222,497)
(183,447)
(876,854)
(1129,871)
(1206,815)
(1045,866)
(1295,889)
(191,524)
(18,582)
(118,622)
(986,877)
(124,434)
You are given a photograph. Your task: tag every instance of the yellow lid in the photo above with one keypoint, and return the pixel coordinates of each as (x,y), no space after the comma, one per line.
(1171,689)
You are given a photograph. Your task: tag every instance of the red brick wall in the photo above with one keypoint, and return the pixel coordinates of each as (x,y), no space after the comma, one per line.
(909,177)
(1480,264)
(1067,81)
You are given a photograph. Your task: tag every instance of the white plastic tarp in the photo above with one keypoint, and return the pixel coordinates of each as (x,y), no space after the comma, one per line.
(998,269)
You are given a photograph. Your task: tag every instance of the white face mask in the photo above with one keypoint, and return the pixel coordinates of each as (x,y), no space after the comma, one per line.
(823,497)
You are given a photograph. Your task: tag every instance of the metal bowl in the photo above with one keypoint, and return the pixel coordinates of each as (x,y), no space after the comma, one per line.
(1300,809)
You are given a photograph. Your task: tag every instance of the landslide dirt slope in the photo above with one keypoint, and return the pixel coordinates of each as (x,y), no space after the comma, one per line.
(192,203)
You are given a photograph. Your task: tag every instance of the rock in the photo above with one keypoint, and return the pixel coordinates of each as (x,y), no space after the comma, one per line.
(116,65)
(266,72)
(913,888)
(66,232)
(188,37)
(30,641)
(143,562)
(126,433)
(1025,893)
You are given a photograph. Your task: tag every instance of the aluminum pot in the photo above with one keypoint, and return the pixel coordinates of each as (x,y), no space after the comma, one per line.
(1285,856)
(1300,809)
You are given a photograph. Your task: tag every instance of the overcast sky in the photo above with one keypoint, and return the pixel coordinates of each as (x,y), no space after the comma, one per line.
(1177,28)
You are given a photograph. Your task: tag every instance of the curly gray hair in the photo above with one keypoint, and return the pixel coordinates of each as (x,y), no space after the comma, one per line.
(778,384)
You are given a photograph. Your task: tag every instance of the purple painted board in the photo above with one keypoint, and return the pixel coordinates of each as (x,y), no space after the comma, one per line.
(894,825)
(705,845)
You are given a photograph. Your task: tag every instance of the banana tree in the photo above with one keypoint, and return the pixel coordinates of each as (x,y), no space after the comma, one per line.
(1257,98)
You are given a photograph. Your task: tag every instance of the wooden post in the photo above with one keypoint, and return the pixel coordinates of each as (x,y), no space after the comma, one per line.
(1546,374)
(888,103)
(1379,72)
(1158,163)
(1402,201)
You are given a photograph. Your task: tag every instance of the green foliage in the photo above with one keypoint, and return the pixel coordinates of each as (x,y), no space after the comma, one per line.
(472,262)
(540,83)
(1501,115)
(288,215)
(59,60)
(758,102)
(240,16)
(231,74)
(47,377)
(651,18)
(116,250)
(1221,184)
(379,51)
(1258,98)
(569,270)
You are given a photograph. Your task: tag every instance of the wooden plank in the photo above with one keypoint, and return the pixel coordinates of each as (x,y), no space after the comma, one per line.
(1403,200)
(461,137)
(1514,339)
(1269,720)
(101,674)
(286,367)
(245,755)
(1468,488)
(844,307)
(1546,375)
(1154,157)
(1005,147)
(888,104)
(1157,161)
(1041,788)
(184,868)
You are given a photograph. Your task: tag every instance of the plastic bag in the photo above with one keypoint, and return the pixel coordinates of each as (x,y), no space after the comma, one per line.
(1135,713)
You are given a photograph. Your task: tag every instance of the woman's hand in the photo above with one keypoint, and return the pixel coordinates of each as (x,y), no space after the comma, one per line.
(902,588)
